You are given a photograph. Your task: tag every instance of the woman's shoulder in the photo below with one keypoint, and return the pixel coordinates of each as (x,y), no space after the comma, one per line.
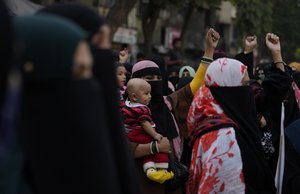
(183,94)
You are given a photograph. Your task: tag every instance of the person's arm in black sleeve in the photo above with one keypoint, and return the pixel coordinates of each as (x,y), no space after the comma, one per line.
(246,57)
(278,81)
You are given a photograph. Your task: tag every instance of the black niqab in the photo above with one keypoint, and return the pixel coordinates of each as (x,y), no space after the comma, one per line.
(238,104)
(160,112)
(105,74)
(65,134)
(156,58)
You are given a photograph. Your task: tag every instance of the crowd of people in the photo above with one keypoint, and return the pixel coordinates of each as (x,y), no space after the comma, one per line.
(77,119)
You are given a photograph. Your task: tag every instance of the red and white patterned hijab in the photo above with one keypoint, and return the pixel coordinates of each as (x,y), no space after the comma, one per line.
(223,72)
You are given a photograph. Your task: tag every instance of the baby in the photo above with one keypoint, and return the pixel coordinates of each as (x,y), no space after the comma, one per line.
(140,129)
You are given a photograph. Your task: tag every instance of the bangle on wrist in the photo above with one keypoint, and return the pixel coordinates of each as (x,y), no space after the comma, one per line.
(275,63)
(154,148)
(151,151)
(206,60)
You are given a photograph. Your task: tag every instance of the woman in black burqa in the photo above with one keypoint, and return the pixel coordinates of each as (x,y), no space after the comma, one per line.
(104,73)
(64,124)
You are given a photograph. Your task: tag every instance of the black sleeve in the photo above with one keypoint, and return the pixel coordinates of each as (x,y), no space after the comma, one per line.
(274,89)
(246,59)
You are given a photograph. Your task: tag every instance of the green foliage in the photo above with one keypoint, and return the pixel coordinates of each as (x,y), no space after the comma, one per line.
(286,24)
(177,4)
(297,54)
(253,17)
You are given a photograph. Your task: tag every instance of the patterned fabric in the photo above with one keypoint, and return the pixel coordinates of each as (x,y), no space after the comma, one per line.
(267,144)
(177,142)
(134,114)
(225,72)
(297,93)
(216,164)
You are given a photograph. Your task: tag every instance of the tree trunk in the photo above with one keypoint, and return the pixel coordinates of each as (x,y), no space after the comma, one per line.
(186,21)
(149,22)
(118,13)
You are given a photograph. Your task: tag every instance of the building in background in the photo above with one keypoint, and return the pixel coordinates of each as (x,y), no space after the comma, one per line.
(169,26)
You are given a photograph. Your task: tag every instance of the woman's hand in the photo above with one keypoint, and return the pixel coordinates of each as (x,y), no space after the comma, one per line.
(158,137)
(250,44)
(212,38)
(273,43)
(141,150)
(211,41)
(263,122)
(164,145)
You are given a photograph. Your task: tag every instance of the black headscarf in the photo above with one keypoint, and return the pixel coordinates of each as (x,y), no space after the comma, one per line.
(174,79)
(246,59)
(87,18)
(5,49)
(183,82)
(160,112)
(265,67)
(238,104)
(156,58)
(64,126)
(104,73)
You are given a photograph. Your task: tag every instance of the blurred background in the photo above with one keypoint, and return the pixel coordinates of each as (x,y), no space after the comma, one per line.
(146,26)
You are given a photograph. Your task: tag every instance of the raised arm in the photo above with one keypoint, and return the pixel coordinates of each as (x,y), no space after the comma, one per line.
(246,57)
(273,44)
(211,42)
(277,82)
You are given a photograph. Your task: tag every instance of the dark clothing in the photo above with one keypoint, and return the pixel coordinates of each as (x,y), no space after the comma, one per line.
(238,104)
(65,133)
(87,18)
(160,112)
(65,136)
(6,43)
(268,99)
(246,59)
(180,102)
(183,82)
(161,64)
(291,178)
(105,74)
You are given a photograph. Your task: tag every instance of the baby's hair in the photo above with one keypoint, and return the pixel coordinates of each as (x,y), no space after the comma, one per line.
(134,85)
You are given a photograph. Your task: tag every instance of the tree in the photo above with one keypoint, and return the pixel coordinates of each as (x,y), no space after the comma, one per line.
(253,16)
(118,13)
(286,25)
(149,18)
(190,7)
(152,9)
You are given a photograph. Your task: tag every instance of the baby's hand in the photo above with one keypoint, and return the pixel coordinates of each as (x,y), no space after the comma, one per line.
(158,137)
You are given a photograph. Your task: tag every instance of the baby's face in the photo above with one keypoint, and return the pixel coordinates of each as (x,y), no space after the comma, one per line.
(143,94)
